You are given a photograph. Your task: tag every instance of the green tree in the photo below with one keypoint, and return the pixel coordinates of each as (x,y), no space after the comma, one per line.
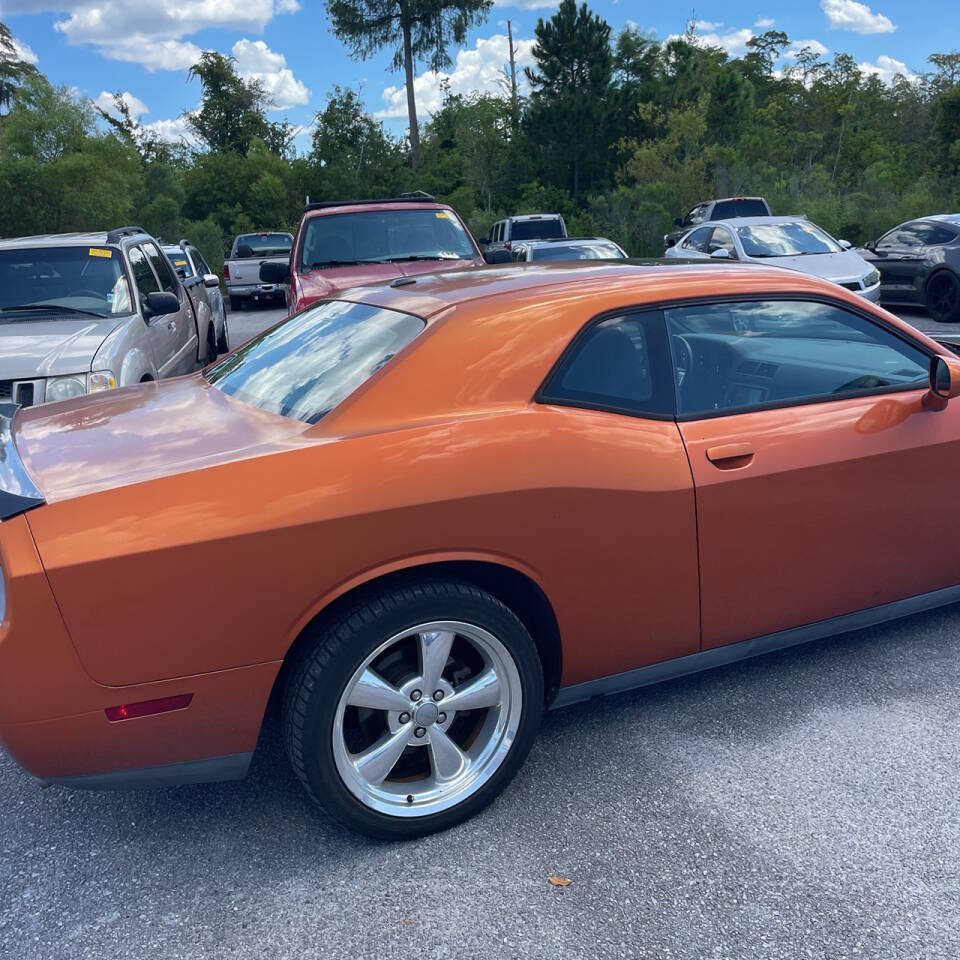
(415,29)
(571,87)
(13,68)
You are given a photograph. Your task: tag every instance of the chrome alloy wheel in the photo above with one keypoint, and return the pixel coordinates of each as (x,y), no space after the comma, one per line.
(427,719)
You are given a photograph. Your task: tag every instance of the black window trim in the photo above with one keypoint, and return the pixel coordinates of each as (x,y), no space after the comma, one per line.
(542,396)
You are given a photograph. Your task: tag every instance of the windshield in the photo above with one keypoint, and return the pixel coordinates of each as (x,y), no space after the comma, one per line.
(179,262)
(579,251)
(728,209)
(77,279)
(262,245)
(384,236)
(304,367)
(546,228)
(785,240)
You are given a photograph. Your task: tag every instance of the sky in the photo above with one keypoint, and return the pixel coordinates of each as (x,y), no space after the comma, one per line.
(144,48)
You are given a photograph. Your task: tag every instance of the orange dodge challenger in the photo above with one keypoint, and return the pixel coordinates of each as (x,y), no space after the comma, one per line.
(425,511)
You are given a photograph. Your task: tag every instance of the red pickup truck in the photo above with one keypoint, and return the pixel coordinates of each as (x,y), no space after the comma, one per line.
(340,245)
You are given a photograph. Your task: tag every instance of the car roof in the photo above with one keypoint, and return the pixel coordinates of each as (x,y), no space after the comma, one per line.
(372,206)
(643,280)
(752,221)
(563,241)
(953,218)
(536,216)
(98,239)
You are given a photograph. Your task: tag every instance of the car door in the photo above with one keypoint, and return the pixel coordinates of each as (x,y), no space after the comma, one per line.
(899,256)
(626,498)
(187,321)
(214,294)
(722,239)
(162,332)
(695,245)
(819,472)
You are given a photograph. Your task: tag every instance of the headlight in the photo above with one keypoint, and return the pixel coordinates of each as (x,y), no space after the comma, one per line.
(873,277)
(101,380)
(66,388)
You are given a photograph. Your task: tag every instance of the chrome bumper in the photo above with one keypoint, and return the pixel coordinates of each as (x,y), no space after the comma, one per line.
(18,492)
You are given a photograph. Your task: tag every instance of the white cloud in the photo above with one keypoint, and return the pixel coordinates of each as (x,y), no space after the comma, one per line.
(886,68)
(734,42)
(256,61)
(765,23)
(798,45)
(22,52)
(476,70)
(134,104)
(707,25)
(153,33)
(856,16)
(173,131)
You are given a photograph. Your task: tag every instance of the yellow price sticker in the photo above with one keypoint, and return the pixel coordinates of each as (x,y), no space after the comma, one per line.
(98,252)
(442,215)
(179,263)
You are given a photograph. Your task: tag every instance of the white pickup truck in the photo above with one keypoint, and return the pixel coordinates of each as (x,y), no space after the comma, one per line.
(241,271)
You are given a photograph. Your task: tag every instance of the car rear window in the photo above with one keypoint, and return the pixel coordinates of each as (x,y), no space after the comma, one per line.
(579,251)
(305,367)
(180,261)
(546,228)
(728,209)
(262,245)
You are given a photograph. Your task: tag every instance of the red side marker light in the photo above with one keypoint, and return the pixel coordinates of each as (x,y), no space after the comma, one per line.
(145,708)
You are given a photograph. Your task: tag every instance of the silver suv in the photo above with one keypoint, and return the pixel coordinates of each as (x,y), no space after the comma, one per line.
(85,312)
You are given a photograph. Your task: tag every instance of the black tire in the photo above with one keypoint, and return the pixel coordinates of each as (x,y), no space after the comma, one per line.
(211,345)
(943,296)
(336,649)
(223,341)
(236,304)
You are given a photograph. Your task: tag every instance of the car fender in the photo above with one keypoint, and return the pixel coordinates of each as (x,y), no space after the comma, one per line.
(412,562)
(137,366)
(126,353)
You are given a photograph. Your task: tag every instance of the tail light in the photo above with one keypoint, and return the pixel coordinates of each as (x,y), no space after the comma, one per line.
(508,245)
(226,271)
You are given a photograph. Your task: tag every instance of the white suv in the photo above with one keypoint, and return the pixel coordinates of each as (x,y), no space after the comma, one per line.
(531,226)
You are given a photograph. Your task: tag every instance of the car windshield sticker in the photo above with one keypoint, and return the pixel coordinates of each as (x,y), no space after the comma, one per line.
(443,215)
(98,252)
(179,263)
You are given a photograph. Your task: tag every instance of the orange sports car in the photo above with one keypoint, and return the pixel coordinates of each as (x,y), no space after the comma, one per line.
(424,512)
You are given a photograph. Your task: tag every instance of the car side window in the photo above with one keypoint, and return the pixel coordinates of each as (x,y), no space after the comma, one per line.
(698,240)
(200,263)
(932,235)
(620,364)
(162,267)
(905,236)
(721,240)
(731,357)
(142,274)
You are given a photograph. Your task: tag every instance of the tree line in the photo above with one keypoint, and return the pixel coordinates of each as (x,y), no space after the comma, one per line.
(619,133)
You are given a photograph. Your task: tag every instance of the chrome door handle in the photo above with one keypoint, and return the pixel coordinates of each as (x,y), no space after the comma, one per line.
(172,325)
(729,456)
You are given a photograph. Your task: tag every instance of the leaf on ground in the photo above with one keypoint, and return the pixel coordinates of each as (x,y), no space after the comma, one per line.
(557,881)
(406,921)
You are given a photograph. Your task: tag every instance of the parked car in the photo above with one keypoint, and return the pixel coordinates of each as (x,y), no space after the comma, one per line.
(573,248)
(919,264)
(241,270)
(86,312)
(529,226)
(785,242)
(203,288)
(711,210)
(339,245)
(440,506)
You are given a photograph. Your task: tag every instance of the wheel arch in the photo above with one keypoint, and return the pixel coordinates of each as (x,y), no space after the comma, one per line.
(936,271)
(515,588)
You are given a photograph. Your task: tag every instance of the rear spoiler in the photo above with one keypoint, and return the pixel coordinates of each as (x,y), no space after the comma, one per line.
(18,493)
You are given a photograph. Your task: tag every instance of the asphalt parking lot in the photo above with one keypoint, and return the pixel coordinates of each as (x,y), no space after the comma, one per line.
(802,805)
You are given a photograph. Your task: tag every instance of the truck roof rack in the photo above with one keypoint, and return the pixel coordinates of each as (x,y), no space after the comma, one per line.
(414,196)
(118,233)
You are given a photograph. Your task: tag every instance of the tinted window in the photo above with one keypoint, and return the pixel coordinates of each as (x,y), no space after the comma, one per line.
(698,240)
(917,235)
(142,274)
(736,355)
(545,229)
(162,267)
(84,278)
(307,365)
(179,261)
(200,262)
(620,364)
(262,245)
(727,209)
(384,236)
(695,215)
(579,251)
(721,240)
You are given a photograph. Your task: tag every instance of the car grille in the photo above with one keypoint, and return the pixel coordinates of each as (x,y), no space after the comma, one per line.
(855,286)
(6,390)
(21,393)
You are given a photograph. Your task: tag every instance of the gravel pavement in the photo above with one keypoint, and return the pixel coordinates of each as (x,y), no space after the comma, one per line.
(801,805)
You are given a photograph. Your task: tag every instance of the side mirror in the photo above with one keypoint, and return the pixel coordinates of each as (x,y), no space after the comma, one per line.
(678,221)
(721,253)
(945,377)
(846,244)
(498,256)
(275,272)
(211,280)
(870,245)
(159,304)
(670,241)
